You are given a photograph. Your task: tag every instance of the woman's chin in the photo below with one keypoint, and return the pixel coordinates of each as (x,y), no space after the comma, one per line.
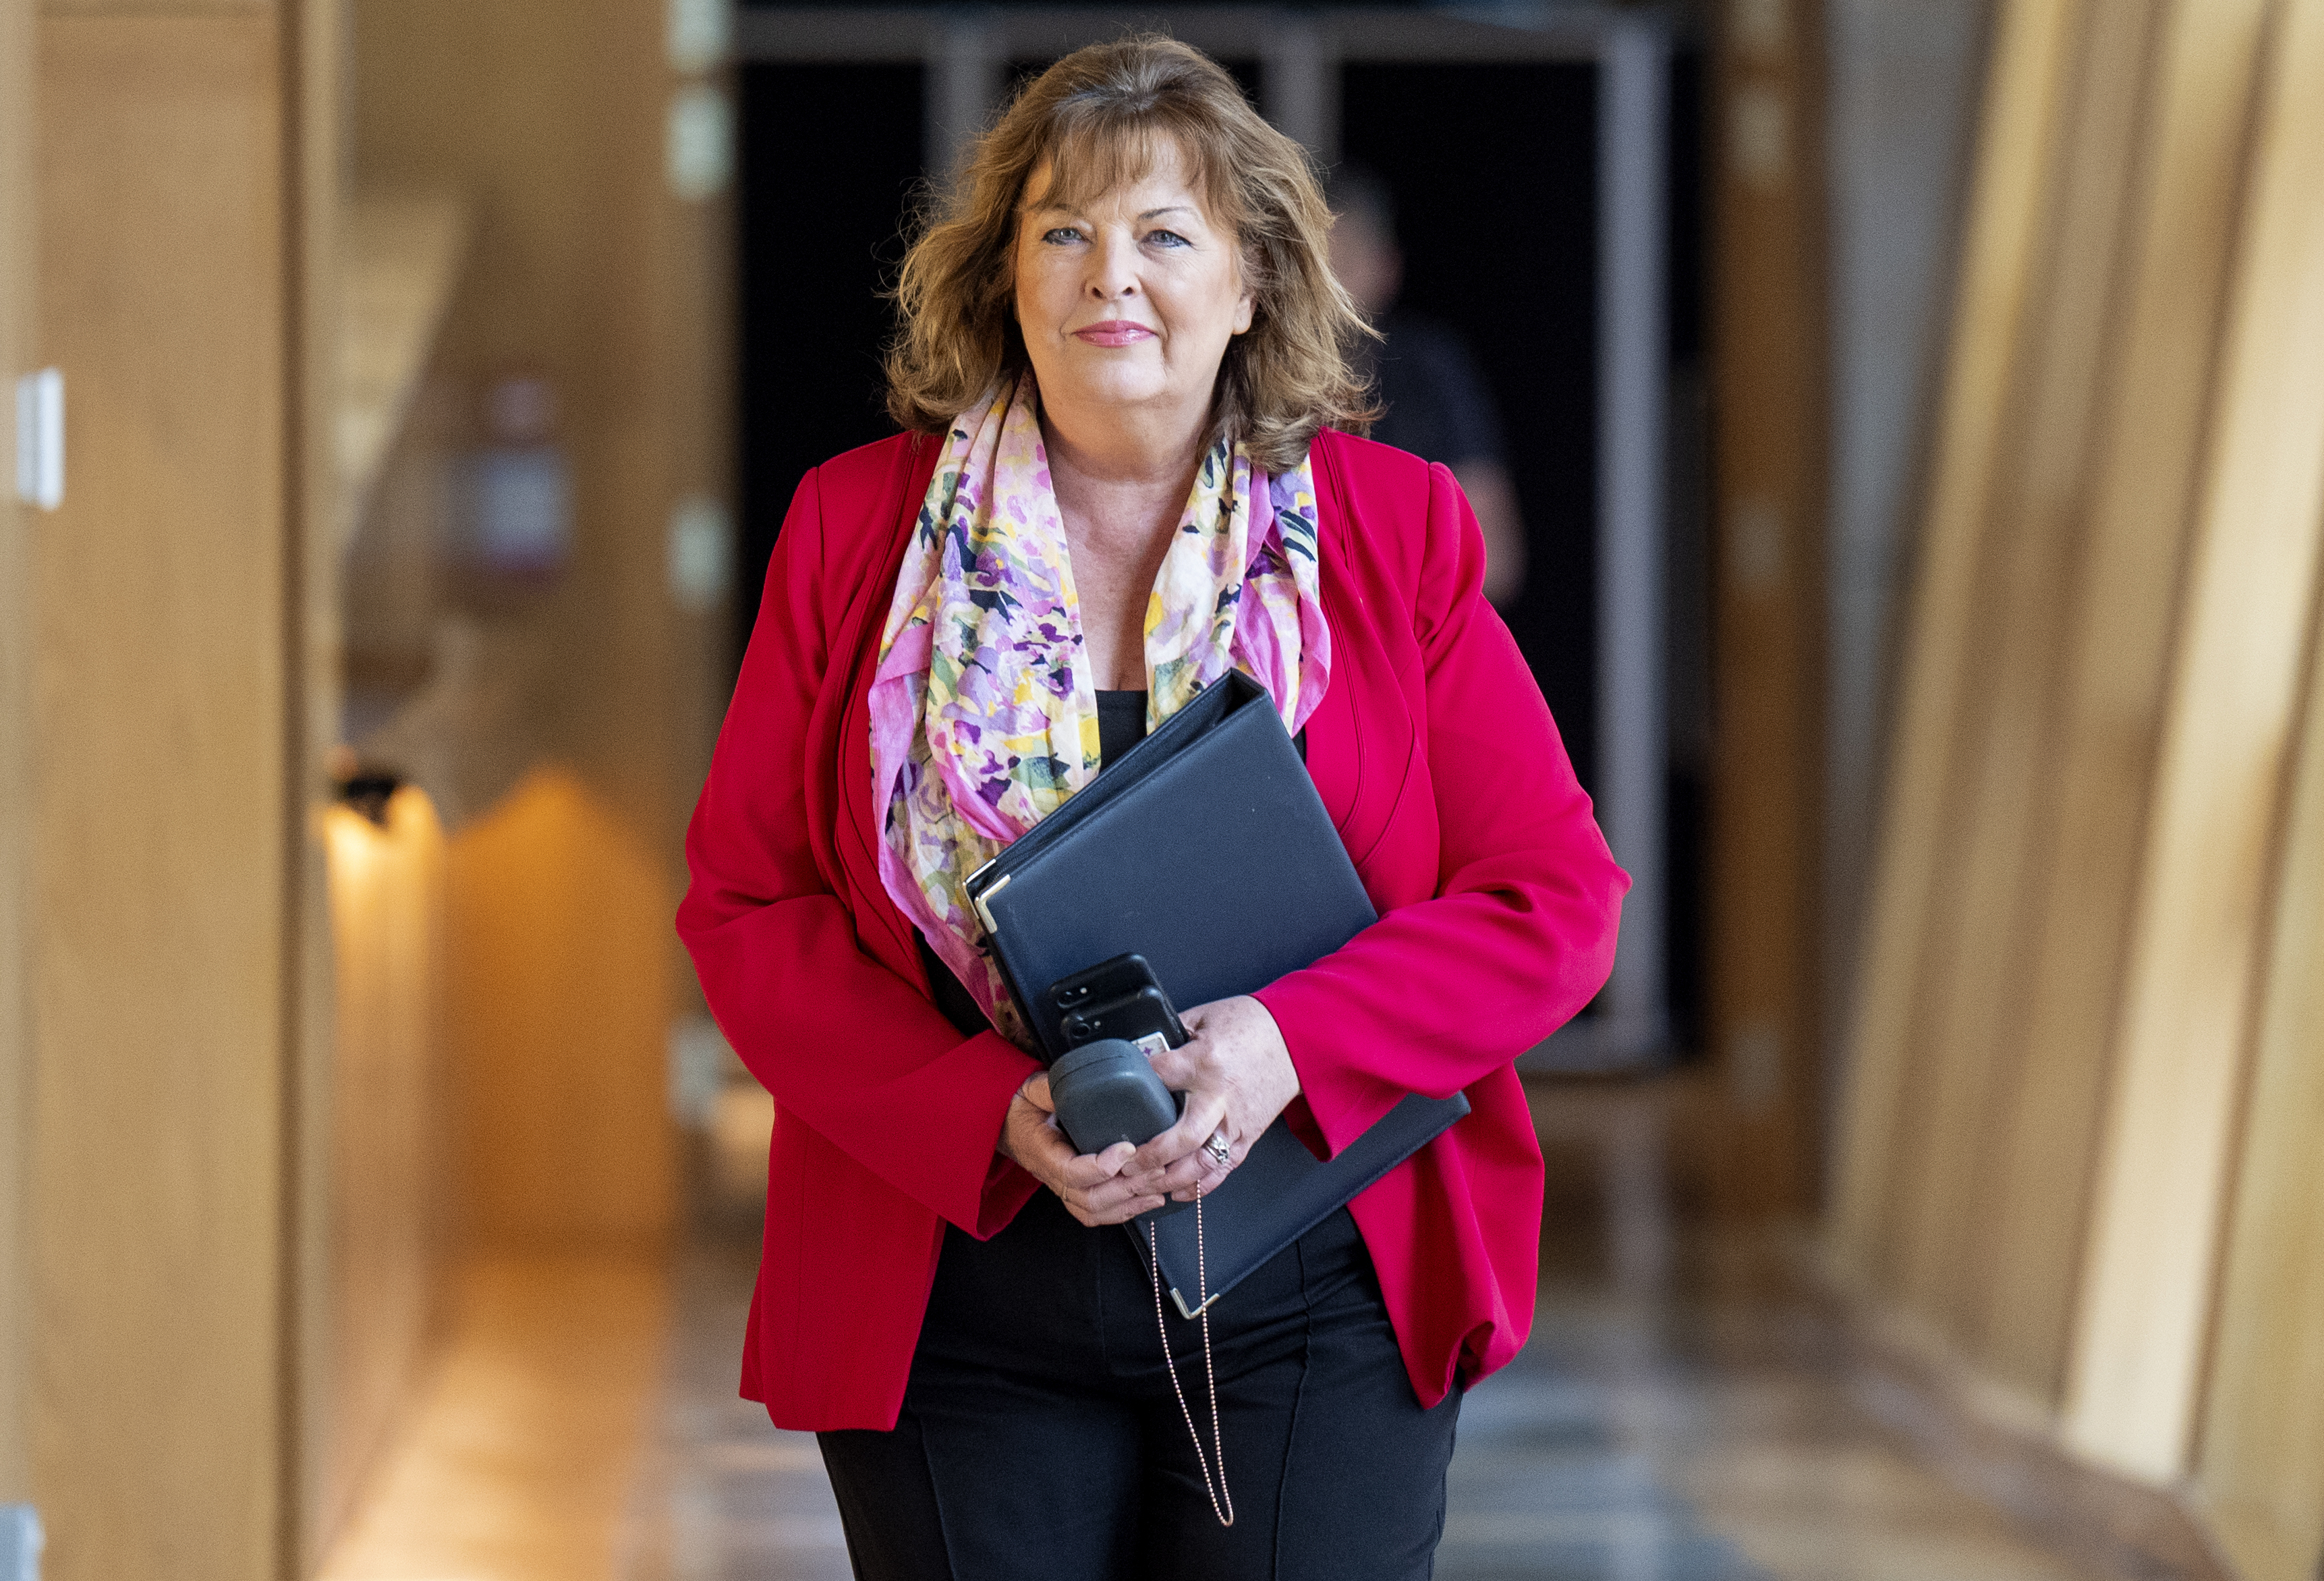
(1126,391)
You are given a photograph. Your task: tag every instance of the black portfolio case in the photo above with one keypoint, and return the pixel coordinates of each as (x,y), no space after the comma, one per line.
(1205,850)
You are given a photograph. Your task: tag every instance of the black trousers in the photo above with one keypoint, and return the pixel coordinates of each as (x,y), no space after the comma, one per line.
(1039,1436)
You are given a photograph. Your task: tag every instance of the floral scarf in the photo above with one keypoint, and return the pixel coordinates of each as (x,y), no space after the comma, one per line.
(983,715)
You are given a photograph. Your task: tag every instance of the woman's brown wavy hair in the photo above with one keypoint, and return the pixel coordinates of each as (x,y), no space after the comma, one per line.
(1098,117)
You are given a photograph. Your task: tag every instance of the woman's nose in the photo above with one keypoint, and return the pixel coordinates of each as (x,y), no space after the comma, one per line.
(1113,275)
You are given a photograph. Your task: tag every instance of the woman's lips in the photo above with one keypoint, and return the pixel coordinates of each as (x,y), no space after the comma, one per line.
(1113,332)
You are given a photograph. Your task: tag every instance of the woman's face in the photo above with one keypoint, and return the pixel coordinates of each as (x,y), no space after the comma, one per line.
(1128,303)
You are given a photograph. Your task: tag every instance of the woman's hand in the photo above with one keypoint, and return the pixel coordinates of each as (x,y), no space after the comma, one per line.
(1237,1074)
(1094,1186)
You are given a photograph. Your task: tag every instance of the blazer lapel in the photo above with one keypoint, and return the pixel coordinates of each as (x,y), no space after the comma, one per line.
(1335,744)
(1362,756)
(856,655)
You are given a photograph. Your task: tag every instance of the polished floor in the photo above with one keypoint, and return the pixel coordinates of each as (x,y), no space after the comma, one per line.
(1633,1441)
(1685,1412)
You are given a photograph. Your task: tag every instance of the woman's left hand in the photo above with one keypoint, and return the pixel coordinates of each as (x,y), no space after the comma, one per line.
(1237,1074)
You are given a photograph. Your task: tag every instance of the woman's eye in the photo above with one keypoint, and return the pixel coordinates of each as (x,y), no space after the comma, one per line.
(1061,236)
(1167,238)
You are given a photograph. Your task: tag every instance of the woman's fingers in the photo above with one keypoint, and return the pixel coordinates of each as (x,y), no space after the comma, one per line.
(1093,1186)
(1035,1141)
(1097,1188)
(1048,1159)
(1198,1168)
(1237,1075)
(1111,1203)
(1084,1171)
(1207,1111)
(1213,1176)
(1098,1221)
(1097,1192)
(1181,1068)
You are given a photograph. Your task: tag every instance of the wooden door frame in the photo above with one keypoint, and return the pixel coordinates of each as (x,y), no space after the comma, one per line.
(1768,384)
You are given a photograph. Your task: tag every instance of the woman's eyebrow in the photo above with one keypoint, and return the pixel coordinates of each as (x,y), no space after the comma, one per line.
(1172,208)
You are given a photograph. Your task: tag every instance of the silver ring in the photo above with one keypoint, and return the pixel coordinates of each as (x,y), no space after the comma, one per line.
(1217,1148)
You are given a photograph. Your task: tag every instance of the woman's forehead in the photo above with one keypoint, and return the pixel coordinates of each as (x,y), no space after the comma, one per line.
(1103,166)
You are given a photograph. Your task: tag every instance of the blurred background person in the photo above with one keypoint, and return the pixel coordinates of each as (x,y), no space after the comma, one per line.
(1436,402)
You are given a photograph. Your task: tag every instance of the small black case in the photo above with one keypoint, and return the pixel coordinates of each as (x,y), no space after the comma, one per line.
(1106,1093)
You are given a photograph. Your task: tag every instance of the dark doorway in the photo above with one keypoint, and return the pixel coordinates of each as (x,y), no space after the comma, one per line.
(1246,73)
(1493,168)
(830,157)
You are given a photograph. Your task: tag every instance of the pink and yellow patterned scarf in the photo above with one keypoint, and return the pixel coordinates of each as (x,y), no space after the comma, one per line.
(983,714)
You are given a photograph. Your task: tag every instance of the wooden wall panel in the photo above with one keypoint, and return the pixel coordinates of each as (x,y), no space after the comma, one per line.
(2197,925)
(159,986)
(2118,625)
(559,999)
(1769,406)
(2012,188)
(390,1155)
(16,528)
(313,66)
(2260,1472)
(1994,832)
(157,7)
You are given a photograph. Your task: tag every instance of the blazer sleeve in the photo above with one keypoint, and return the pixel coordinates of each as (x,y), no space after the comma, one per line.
(848,1046)
(1520,933)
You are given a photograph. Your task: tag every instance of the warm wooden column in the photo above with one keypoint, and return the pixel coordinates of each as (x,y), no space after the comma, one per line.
(2082,1145)
(1768,382)
(2039,674)
(2198,928)
(387,913)
(1996,828)
(310,68)
(2024,1220)
(173,653)
(2008,209)
(2259,1473)
(16,137)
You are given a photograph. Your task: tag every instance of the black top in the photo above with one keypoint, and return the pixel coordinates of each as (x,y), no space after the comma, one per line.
(1120,725)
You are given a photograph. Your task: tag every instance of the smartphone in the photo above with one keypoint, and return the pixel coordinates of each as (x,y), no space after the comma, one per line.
(1124,973)
(1144,1018)
(1119,998)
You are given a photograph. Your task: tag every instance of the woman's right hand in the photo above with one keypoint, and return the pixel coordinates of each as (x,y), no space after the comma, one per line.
(1094,1190)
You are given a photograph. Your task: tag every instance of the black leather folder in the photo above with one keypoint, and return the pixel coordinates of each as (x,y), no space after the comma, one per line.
(1205,850)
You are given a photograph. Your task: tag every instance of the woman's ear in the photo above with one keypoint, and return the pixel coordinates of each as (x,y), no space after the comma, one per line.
(1247,266)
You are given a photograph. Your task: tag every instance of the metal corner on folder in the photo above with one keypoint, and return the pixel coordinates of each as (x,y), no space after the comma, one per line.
(983,908)
(1190,1313)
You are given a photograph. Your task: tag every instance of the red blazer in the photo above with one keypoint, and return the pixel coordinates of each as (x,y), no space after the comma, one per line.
(1444,773)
